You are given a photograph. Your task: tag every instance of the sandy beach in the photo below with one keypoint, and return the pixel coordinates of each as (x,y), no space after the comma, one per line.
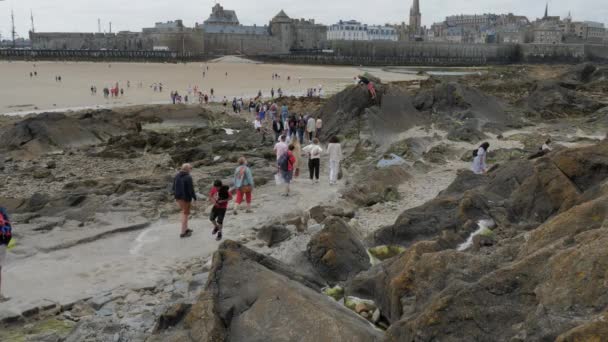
(24,94)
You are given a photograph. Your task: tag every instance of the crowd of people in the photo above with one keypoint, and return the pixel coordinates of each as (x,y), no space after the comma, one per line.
(290,156)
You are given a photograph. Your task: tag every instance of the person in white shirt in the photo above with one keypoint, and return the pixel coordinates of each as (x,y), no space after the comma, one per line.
(281,147)
(318,126)
(314,152)
(479,163)
(311,128)
(334,149)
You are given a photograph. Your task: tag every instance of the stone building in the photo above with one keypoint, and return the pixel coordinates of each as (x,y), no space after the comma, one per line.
(220,34)
(354,30)
(548,33)
(225,35)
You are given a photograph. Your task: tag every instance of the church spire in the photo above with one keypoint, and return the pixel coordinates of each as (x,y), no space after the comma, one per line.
(416,7)
(546,10)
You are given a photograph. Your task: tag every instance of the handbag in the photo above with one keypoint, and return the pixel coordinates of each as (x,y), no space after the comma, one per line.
(245,189)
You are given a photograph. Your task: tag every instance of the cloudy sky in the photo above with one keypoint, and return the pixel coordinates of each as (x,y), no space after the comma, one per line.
(81,15)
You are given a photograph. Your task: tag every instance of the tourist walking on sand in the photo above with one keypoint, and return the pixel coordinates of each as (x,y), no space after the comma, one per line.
(6,235)
(244,184)
(314,152)
(334,149)
(183,188)
(219,196)
(479,162)
(286,165)
(311,126)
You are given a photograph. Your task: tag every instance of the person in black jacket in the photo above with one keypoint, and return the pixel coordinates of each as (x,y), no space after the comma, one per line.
(277,127)
(183,188)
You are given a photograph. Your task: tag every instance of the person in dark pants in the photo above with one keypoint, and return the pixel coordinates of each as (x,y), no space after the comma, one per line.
(183,188)
(219,196)
(314,152)
(277,127)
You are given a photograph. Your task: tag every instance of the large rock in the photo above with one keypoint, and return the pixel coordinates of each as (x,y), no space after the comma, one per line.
(541,278)
(273,234)
(250,297)
(550,99)
(336,252)
(376,186)
(522,192)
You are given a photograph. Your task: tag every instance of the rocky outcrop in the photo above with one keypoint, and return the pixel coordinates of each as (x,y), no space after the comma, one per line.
(352,113)
(336,252)
(550,99)
(520,192)
(250,297)
(539,277)
(56,131)
(376,186)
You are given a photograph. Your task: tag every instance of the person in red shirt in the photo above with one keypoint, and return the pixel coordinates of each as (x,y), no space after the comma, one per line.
(288,169)
(219,196)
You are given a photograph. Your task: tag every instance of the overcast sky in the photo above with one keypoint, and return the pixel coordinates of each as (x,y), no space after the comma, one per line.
(81,15)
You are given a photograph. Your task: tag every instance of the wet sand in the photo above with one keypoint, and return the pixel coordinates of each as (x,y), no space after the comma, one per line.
(21,94)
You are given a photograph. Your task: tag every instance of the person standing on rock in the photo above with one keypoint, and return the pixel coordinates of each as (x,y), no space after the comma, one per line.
(369,84)
(219,196)
(334,149)
(311,126)
(183,188)
(243,183)
(314,152)
(479,162)
(5,239)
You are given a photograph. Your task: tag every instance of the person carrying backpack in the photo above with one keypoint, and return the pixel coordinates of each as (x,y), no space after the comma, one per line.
(219,196)
(286,167)
(6,234)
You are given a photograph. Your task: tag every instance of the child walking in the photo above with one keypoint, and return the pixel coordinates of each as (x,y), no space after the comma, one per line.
(219,196)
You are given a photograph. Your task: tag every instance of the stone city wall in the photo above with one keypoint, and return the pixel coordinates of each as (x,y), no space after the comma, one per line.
(190,41)
(237,44)
(552,53)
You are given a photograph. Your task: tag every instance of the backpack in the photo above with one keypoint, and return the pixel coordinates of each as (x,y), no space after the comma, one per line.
(475,153)
(301,123)
(284,162)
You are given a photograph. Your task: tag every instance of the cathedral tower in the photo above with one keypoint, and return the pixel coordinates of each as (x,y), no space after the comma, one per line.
(415,18)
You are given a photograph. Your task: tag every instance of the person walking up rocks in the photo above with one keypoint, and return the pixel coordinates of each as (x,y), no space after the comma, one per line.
(334,149)
(219,196)
(6,234)
(243,183)
(311,126)
(286,167)
(314,151)
(183,188)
